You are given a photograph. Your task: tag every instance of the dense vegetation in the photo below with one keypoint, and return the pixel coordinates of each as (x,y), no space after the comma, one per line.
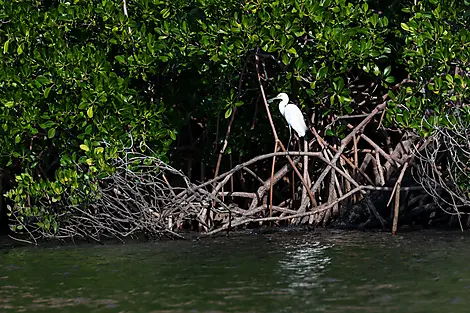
(82,81)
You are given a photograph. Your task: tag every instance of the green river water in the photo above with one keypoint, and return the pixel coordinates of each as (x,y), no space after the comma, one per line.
(281,272)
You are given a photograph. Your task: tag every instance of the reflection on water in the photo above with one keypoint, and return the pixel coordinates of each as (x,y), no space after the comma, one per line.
(303,264)
(343,272)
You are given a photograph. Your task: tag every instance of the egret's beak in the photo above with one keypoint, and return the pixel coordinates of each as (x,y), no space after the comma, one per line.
(271,100)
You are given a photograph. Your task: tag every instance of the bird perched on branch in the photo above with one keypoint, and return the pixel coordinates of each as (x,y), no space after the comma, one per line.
(292,114)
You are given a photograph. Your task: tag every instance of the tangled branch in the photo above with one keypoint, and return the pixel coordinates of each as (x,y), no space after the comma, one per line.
(443,164)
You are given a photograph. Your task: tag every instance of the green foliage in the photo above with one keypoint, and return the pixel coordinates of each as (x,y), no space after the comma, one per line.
(68,101)
(77,76)
(436,54)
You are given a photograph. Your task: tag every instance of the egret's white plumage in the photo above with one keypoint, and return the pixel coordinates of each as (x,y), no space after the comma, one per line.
(291,113)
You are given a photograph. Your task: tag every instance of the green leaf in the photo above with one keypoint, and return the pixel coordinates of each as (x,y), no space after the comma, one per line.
(374,19)
(449,78)
(228,113)
(88,129)
(285,59)
(172,135)
(329,132)
(46,92)
(322,73)
(84,147)
(387,71)
(55,226)
(292,51)
(9,104)
(150,47)
(19,50)
(344,100)
(120,59)
(99,150)
(405,27)
(390,79)
(89,112)
(17,139)
(165,12)
(47,124)
(42,80)
(376,70)
(5,46)
(51,133)
(384,21)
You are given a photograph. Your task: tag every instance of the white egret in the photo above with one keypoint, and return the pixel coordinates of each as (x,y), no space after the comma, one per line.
(292,114)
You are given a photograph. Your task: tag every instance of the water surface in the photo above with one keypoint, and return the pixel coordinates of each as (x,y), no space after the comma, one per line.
(282,272)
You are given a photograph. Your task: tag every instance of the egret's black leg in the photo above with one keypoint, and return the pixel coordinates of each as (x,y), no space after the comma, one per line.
(290,138)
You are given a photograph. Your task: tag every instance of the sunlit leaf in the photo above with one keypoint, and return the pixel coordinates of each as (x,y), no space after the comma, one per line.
(51,133)
(89,112)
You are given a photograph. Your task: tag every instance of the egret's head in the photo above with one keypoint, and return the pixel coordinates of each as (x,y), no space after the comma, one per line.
(282,96)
